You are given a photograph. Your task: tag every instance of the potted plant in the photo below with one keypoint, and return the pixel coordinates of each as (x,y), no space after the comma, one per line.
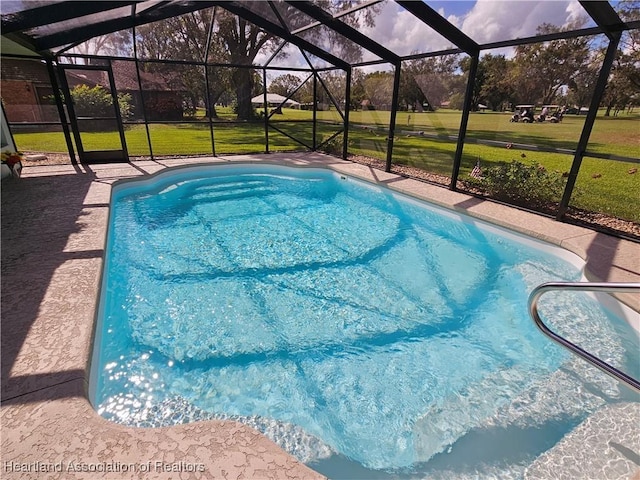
(11,164)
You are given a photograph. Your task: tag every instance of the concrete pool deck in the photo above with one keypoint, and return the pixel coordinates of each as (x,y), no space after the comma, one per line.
(54,222)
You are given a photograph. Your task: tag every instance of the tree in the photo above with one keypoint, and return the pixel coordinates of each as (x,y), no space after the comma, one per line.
(243,41)
(434,77)
(541,70)
(285,85)
(335,83)
(581,86)
(623,86)
(358,91)
(495,90)
(178,38)
(237,42)
(379,89)
(116,44)
(410,94)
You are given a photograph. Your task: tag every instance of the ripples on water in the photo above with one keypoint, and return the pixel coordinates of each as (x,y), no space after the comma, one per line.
(364,333)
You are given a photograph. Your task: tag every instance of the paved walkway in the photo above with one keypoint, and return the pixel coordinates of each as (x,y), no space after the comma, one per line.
(54,223)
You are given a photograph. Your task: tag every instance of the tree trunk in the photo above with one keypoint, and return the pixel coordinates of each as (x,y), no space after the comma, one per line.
(609,107)
(211,110)
(243,80)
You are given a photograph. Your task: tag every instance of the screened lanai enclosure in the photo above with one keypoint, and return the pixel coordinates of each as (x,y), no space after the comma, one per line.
(431,89)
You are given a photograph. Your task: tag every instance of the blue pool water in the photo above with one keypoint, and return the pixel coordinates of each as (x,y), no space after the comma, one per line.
(366,332)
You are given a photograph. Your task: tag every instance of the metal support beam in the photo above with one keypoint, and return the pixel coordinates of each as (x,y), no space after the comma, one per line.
(392,119)
(61,112)
(275,54)
(276,12)
(207,47)
(238,9)
(345,30)
(347,109)
(315,110)
(596,98)
(464,121)
(266,110)
(116,105)
(432,18)
(342,13)
(42,15)
(144,108)
(207,86)
(604,15)
(332,98)
(71,110)
(88,31)
(209,110)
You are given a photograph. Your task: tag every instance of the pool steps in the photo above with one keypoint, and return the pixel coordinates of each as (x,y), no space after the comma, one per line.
(606,446)
(587,287)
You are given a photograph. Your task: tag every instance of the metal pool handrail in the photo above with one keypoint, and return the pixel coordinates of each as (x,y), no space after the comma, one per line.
(589,287)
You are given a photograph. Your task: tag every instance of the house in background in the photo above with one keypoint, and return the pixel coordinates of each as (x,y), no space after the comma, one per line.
(274,100)
(27,93)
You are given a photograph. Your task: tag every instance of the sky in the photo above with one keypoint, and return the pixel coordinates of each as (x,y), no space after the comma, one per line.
(485,21)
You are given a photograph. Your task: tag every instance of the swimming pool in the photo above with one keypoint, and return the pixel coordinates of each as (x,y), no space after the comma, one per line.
(366,332)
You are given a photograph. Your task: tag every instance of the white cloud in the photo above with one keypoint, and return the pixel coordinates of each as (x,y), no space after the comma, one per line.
(575,12)
(494,20)
(485,21)
(402,33)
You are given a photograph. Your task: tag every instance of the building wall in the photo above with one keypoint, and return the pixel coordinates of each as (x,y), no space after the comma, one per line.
(20,101)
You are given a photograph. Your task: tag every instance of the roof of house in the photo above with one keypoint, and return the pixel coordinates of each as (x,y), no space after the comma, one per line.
(124,73)
(274,98)
(34,71)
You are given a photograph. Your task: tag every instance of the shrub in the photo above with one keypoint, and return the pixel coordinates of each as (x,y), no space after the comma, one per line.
(97,102)
(92,102)
(333,146)
(163,105)
(126,107)
(531,186)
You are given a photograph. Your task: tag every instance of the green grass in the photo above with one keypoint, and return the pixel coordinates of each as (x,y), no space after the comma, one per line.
(605,186)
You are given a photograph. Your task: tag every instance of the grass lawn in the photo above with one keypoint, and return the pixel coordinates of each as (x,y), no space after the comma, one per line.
(605,185)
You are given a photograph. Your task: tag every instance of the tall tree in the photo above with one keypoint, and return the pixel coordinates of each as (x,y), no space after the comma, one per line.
(581,86)
(435,77)
(285,85)
(410,94)
(358,92)
(542,69)
(116,44)
(243,41)
(238,42)
(623,88)
(379,89)
(496,90)
(181,38)
(478,81)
